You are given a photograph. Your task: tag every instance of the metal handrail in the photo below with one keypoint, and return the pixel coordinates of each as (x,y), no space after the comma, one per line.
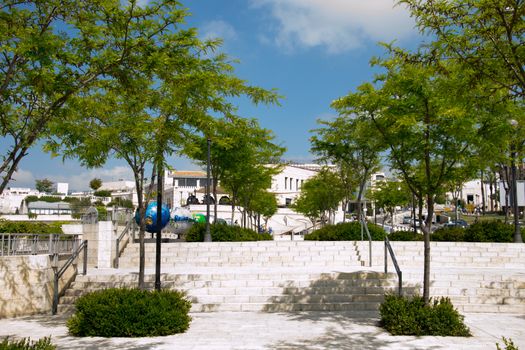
(118,249)
(365,226)
(59,272)
(388,247)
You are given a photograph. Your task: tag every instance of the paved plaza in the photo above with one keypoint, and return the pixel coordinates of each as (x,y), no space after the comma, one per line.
(308,331)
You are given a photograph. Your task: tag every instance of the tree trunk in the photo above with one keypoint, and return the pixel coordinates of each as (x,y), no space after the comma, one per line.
(426,230)
(482,193)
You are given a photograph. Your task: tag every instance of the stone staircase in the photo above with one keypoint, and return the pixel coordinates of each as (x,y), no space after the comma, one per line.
(289,276)
(269,291)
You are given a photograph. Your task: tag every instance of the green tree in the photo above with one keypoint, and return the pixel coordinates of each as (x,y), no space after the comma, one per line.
(320,197)
(263,204)
(351,144)
(168,90)
(44,185)
(425,115)
(245,162)
(389,195)
(55,50)
(95,184)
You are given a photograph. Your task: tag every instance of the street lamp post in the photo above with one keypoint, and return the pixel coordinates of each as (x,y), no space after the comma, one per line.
(207,235)
(514,189)
(514,193)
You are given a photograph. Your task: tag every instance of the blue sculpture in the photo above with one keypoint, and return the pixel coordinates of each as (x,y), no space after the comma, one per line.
(151,217)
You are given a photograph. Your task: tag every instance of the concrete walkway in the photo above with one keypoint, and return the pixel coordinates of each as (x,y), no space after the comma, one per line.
(279,331)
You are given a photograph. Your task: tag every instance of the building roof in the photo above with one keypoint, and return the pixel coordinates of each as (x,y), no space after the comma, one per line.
(47,205)
(187,173)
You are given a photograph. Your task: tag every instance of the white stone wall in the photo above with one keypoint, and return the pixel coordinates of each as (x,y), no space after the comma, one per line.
(26,284)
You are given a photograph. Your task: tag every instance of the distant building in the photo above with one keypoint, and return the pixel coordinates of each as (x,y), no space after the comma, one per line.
(180,186)
(62,188)
(11,199)
(46,208)
(286,186)
(121,189)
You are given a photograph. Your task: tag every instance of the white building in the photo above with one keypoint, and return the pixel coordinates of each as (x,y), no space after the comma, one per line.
(11,199)
(62,188)
(288,183)
(471,194)
(121,189)
(181,186)
(520,189)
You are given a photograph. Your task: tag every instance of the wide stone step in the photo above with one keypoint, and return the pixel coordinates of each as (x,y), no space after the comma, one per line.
(285,307)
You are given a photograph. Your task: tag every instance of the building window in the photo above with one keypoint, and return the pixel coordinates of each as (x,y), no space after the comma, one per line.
(285,183)
(302,182)
(291,183)
(191,182)
(297,184)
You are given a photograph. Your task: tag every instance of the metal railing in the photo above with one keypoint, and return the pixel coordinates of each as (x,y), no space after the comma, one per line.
(59,272)
(364,227)
(32,244)
(123,240)
(388,247)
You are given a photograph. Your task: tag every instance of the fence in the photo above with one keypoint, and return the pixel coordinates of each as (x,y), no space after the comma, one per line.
(32,244)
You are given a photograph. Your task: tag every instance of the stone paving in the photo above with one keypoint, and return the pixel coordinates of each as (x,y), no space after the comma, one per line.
(309,331)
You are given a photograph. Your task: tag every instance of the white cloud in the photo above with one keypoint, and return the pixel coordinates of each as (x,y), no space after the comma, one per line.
(22,178)
(337,25)
(218,29)
(81,181)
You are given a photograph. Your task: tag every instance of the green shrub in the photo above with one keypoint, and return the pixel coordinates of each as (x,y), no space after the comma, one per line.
(225,233)
(102,193)
(410,316)
(7,226)
(490,231)
(449,234)
(27,344)
(405,236)
(347,231)
(130,313)
(509,344)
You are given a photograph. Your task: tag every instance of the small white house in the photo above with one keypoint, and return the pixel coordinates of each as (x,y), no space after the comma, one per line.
(288,183)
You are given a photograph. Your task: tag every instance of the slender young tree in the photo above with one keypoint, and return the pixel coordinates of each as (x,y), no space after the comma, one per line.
(425,117)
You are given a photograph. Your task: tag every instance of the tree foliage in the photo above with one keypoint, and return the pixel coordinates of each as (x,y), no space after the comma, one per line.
(486,35)
(95,184)
(44,185)
(350,144)
(320,196)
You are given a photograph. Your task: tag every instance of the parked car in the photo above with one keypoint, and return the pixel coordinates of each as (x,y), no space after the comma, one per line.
(457,223)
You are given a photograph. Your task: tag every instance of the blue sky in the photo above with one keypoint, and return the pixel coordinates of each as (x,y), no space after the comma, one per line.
(312,51)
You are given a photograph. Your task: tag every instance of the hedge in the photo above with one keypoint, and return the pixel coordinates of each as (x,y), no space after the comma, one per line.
(225,233)
(347,231)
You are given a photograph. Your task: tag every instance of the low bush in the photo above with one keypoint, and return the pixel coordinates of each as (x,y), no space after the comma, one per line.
(27,344)
(347,231)
(490,231)
(405,236)
(448,234)
(225,233)
(7,226)
(509,344)
(482,231)
(124,312)
(410,316)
